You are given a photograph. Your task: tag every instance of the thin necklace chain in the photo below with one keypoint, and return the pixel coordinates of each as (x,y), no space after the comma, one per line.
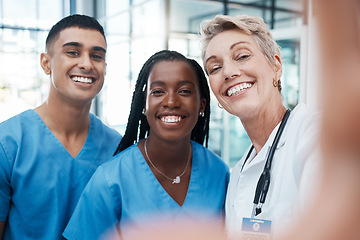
(177,178)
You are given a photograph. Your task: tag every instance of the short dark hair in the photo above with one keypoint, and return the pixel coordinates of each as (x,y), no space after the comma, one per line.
(76,20)
(137,126)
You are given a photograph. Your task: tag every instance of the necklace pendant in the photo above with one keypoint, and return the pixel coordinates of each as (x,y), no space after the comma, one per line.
(176,180)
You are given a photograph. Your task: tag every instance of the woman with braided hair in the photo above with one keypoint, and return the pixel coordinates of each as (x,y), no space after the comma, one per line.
(137,120)
(161,168)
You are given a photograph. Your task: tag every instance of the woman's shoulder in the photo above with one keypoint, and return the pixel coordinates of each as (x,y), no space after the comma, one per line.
(122,158)
(303,135)
(119,166)
(305,115)
(303,122)
(198,148)
(207,157)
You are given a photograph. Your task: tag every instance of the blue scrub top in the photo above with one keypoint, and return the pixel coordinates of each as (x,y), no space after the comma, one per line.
(125,190)
(40,182)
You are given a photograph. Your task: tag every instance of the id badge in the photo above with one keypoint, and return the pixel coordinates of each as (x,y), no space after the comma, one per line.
(255,229)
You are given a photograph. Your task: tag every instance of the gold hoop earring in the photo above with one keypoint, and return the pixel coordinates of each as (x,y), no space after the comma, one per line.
(219,105)
(275,82)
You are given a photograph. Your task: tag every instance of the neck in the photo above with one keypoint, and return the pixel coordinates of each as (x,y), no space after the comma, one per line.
(168,154)
(260,126)
(64,118)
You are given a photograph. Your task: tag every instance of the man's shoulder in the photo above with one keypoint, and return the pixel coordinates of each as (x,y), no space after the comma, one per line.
(100,126)
(18,121)
(13,132)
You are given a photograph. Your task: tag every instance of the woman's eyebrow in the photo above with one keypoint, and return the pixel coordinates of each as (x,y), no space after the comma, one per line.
(231,47)
(238,43)
(157,82)
(183,82)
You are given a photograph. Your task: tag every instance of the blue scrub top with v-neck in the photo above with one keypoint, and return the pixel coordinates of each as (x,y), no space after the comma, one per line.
(125,190)
(40,182)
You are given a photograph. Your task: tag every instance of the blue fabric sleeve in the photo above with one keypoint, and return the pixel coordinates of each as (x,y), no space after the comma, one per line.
(96,211)
(5,188)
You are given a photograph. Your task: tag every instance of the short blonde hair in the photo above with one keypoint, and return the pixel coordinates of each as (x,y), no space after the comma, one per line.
(251,25)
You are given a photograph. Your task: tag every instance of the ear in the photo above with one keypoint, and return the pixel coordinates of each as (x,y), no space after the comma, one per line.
(45,63)
(278,67)
(202,105)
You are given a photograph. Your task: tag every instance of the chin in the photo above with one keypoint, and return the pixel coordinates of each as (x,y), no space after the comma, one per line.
(243,111)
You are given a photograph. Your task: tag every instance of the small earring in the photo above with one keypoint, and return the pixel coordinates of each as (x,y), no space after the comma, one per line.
(201,114)
(219,105)
(275,82)
(143,111)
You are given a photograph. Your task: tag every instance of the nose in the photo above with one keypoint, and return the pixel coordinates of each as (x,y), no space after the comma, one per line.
(85,63)
(230,70)
(171,100)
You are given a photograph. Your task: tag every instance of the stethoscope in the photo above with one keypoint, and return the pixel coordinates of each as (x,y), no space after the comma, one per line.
(264,180)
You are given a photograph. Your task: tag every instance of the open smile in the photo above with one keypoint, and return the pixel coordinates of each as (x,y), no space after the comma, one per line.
(80,79)
(171,118)
(238,89)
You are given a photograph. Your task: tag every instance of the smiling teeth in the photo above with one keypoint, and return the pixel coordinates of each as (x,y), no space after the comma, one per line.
(82,79)
(171,119)
(238,88)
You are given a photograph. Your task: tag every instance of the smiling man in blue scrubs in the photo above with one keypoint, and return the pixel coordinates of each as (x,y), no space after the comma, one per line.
(47,155)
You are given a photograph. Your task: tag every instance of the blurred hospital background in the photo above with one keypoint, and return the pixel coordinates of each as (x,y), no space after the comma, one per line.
(135,30)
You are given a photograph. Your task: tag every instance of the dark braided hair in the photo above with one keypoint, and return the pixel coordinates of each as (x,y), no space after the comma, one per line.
(201,129)
(137,127)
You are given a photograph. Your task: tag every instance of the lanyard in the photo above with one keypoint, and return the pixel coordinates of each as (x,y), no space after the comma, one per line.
(264,180)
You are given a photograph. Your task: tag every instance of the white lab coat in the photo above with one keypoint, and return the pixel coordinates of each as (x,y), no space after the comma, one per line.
(295,168)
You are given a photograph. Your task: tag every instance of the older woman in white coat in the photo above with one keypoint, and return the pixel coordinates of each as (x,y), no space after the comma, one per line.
(244,67)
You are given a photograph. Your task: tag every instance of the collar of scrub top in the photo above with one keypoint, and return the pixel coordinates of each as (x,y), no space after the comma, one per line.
(264,180)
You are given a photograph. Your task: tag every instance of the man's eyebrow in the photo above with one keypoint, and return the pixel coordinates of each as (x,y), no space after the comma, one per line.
(77,44)
(99,49)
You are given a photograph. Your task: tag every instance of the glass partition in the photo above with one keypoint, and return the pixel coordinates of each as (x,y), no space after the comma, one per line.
(23,30)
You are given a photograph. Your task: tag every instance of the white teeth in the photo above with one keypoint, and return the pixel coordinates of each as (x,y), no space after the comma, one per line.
(238,88)
(82,79)
(171,119)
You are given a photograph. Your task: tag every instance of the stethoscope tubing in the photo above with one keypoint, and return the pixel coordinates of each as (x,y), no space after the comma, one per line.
(263,183)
